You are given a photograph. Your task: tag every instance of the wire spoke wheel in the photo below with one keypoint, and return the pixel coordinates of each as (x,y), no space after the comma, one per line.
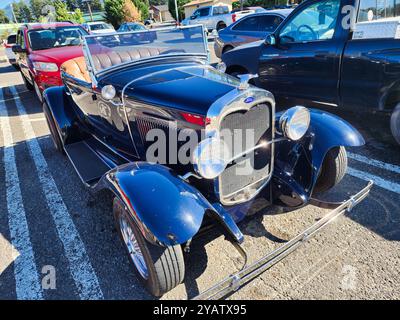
(134,250)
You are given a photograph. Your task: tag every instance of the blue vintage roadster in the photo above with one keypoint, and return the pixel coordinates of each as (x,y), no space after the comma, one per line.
(183,146)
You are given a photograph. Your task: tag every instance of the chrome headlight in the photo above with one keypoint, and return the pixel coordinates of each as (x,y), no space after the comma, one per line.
(210,157)
(108,92)
(295,122)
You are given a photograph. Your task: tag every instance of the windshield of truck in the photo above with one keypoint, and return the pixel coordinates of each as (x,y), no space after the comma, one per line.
(112,50)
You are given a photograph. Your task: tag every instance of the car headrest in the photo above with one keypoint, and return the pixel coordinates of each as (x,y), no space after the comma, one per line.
(105,60)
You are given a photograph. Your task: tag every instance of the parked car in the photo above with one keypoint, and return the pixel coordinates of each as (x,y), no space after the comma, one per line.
(251,28)
(8,44)
(238,14)
(314,58)
(98,27)
(138,37)
(211,17)
(40,50)
(154,126)
(102,28)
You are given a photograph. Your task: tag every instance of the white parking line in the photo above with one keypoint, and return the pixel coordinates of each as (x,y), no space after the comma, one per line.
(81,269)
(27,283)
(373,162)
(385,184)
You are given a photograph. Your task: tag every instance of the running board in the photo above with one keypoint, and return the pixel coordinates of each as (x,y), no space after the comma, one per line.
(87,163)
(235,281)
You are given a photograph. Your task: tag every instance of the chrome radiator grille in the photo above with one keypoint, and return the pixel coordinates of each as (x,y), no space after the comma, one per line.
(242,131)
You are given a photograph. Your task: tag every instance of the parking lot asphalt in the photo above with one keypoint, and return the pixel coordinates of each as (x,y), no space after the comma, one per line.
(50,221)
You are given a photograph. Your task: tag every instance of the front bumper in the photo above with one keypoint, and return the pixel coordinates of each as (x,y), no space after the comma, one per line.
(48,79)
(233,282)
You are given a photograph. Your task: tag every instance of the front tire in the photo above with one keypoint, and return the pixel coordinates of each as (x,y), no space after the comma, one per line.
(160,268)
(28,85)
(39,94)
(333,169)
(395,123)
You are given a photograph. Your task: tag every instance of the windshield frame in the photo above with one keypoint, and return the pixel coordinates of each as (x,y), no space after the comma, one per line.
(84,33)
(95,75)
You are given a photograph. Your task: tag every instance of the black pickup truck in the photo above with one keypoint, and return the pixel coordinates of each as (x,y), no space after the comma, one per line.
(342,53)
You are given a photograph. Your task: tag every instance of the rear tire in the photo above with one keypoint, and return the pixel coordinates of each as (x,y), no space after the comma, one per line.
(333,169)
(395,123)
(164,267)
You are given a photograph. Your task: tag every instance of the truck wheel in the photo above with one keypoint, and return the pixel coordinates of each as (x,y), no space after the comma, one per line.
(160,268)
(395,123)
(53,129)
(221,25)
(333,169)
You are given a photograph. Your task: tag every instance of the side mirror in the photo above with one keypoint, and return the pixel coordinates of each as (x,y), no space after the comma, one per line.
(17,48)
(192,17)
(270,40)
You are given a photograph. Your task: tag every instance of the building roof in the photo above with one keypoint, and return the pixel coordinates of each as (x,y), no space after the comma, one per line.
(197,2)
(162,8)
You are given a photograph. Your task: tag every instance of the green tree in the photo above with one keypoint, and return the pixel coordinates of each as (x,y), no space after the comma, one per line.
(37,6)
(114,12)
(63,14)
(181,11)
(143,7)
(77,16)
(22,12)
(3,17)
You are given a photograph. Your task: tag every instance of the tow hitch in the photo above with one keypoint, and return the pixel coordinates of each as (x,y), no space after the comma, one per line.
(235,281)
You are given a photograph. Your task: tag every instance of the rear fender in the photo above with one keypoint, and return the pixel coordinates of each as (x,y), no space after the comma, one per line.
(58,108)
(166,208)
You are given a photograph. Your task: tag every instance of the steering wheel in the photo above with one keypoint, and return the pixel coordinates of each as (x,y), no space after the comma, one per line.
(314,35)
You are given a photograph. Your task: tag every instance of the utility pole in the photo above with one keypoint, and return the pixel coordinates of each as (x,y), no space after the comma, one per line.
(176,11)
(13,13)
(89,8)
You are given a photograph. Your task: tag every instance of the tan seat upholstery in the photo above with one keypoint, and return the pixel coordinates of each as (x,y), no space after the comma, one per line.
(77,67)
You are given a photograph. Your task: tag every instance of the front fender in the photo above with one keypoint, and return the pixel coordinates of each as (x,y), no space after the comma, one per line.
(166,209)
(298,163)
(330,131)
(57,105)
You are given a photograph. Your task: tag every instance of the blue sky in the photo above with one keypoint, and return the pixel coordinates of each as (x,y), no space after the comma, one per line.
(4,3)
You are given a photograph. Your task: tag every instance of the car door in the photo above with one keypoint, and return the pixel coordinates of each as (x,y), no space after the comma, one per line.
(246,30)
(305,61)
(22,57)
(201,16)
(254,27)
